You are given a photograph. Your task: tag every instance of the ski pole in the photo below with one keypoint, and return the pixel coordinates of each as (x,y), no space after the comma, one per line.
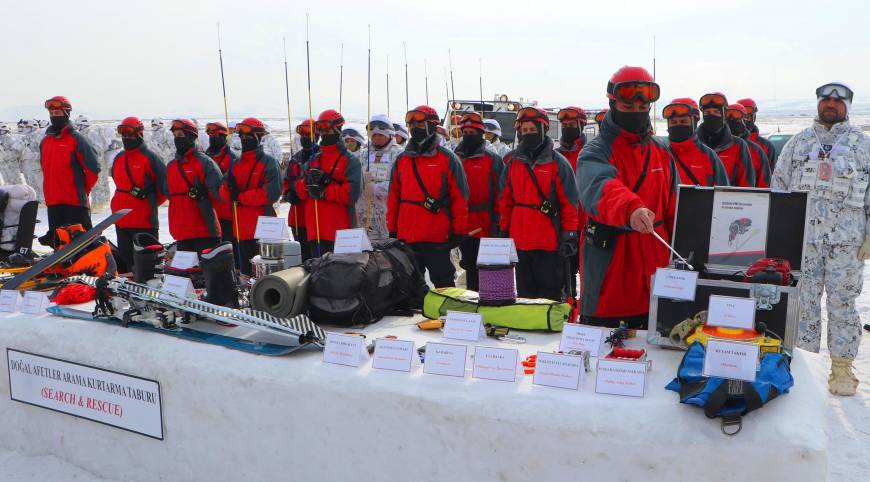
(450,59)
(480,78)
(311,130)
(341,77)
(672,250)
(405,48)
(290,133)
(426,78)
(238,249)
(388,86)
(369,132)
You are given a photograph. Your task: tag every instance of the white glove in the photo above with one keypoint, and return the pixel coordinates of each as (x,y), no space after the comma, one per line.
(864,252)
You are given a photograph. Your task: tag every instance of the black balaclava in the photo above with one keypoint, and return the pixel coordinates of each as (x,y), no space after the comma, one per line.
(634,122)
(712,124)
(420,135)
(216,143)
(130,144)
(530,142)
(471,142)
(737,127)
(570,135)
(58,122)
(250,142)
(183,144)
(306,142)
(330,139)
(680,133)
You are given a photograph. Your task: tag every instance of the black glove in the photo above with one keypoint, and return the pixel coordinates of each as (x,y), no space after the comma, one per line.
(233,187)
(568,244)
(455,240)
(290,196)
(316,181)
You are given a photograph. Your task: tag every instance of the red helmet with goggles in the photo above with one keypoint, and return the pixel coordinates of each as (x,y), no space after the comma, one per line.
(216,128)
(533,114)
(472,120)
(329,119)
(131,127)
(185,125)
(58,102)
(251,125)
(422,113)
(633,83)
(573,113)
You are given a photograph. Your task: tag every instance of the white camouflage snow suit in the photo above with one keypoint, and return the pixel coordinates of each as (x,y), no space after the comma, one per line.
(834,166)
(371,207)
(104,141)
(10,162)
(27,147)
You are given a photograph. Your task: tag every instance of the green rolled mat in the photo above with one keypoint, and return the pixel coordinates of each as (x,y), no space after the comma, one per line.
(281,294)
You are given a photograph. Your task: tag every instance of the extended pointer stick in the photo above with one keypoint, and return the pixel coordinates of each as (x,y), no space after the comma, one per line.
(672,250)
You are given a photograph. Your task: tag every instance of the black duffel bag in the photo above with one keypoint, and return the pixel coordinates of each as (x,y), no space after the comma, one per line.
(359,289)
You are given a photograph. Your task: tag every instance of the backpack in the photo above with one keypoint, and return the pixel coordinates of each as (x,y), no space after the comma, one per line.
(361,288)
(730,399)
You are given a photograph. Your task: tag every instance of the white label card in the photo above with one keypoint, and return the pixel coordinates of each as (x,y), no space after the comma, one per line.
(497,251)
(445,359)
(675,284)
(393,354)
(35,303)
(9,301)
(178,285)
(558,370)
(736,361)
(619,377)
(351,241)
(581,338)
(342,349)
(731,312)
(272,228)
(460,325)
(185,259)
(495,363)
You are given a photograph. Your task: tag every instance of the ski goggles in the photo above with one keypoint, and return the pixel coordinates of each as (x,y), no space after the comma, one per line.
(645,91)
(244,129)
(599,117)
(129,132)
(54,104)
(676,110)
(565,115)
(750,109)
(213,129)
(836,91)
(717,100)
(323,125)
(530,114)
(733,114)
(419,116)
(178,125)
(302,130)
(380,126)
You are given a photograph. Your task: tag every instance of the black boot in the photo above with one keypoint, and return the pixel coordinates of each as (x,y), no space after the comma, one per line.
(220,280)
(147,254)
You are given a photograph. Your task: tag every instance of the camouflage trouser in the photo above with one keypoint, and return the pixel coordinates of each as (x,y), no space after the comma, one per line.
(101,194)
(838,272)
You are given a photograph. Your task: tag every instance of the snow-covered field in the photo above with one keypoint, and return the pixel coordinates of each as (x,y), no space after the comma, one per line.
(848,419)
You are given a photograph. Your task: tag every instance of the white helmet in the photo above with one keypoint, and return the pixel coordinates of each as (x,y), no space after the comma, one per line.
(82,122)
(42,123)
(4,129)
(26,126)
(156,123)
(492,126)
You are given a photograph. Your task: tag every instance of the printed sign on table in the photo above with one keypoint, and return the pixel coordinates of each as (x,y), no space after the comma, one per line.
(736,361)
(676,284)
(343,349)
(460,325)
(731,312)
(35,303)
(445,359)
(393,354)
(495,363)
(272,228)
(10,300)
(497,251)
(124,401)
(558,370)
(577,337)
(348,241)
(179,286)
(185,259)
(620,377)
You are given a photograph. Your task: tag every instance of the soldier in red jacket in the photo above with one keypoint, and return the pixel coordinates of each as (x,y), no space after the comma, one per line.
(572,120)
(751,113)
(538,207)
(734,115)
(331,185)
(628,185)
(696,163)
(219,150)
(193,181)
(427,205)
(295,171)
(140,184)
(483,170)
(715,134)
(69,169)
(252,184)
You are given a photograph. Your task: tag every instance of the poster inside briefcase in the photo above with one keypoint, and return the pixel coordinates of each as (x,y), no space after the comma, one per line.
(723,230)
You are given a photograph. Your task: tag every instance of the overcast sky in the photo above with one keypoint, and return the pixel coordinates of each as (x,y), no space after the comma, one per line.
(160,57)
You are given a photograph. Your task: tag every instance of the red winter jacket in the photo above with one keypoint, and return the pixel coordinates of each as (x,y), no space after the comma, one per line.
(323,217)
(259,180)
(521,200)
(616,281)
(188,217)
(440,172)
(140,169)
(766,145)
(759,162)
(223,159)
(69,167)
(697,164)
(483,170)
(734,154)
(571,153)
(295,171)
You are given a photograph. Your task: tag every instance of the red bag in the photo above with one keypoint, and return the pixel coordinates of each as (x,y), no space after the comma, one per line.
(774,271)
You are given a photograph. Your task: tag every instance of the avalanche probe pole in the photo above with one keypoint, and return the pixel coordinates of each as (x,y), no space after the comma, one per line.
(340,77)
(450,59)
(238,250)
(289,132)
(684,260)
(388,86)
(367,178)
(311,130)
(405,48)
(426,78)
(480,78)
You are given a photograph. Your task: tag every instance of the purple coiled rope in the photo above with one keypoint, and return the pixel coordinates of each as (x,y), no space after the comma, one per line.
(497,285)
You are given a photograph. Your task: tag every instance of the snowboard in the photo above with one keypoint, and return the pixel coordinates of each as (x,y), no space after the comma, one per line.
(68,251)
(182,332)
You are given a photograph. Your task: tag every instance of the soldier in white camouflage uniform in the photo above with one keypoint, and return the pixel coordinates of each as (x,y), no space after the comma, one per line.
(371,207)
(27,146)
(10,163)
(831,160)
(107,145)
(493,138)
(160,141)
